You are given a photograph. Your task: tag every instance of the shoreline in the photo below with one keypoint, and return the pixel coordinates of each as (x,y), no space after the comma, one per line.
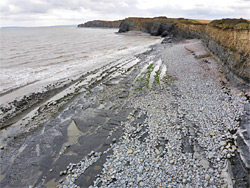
(113,109)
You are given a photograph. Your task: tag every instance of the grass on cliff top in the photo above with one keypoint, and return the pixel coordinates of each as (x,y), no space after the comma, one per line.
(231,23)
(189,21)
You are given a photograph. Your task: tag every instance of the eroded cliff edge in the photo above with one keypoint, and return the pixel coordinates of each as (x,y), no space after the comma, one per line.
(230,46)
(229,43)
(101,23)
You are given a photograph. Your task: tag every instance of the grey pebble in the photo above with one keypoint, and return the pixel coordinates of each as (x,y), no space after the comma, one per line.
(207,177)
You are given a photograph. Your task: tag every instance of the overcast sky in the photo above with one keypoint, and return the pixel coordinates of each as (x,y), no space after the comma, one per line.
(69,12)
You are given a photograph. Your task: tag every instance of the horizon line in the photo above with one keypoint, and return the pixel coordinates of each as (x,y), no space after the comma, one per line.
(37,26)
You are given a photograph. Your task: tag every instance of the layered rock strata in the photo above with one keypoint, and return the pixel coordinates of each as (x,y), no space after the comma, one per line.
(230,46)
(100,23)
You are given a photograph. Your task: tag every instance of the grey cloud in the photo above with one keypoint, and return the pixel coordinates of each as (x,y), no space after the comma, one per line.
(112,9)
(99,6)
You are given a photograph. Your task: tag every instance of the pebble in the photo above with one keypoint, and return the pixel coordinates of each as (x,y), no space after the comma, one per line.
(114,140)
(157,152)
(135,159)
(67,145)
(223,143)
(234,148)
(61,173)
(204,163)
(170,154)
(207,177)
(140,169)
(141,184)
(210,155)
(138,179)
(158,180)
(129,151)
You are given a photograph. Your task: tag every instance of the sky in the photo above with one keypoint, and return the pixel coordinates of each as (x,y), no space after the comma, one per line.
(33,13)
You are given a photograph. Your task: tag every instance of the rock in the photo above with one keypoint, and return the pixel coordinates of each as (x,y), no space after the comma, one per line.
(67,145)
(157,152)
(154,26)
(61,181)
(2,148)
(210,155)
(234,148)
(166,41)
(100,23)
(207,177)
(61,173)
(114,140)
(138,179)
(129,151)
(140,169)
(212,133)
(223,143)
(158,180)
(171,161)
(204,163)
(141,184)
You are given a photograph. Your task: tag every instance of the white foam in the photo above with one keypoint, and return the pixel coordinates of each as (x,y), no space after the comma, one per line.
(68,55)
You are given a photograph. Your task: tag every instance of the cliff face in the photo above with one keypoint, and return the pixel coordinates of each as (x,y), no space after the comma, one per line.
(230,43)
(154,26)
(231,46)
(100,23)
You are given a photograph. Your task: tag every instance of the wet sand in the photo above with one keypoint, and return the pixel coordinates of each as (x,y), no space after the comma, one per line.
(68,136)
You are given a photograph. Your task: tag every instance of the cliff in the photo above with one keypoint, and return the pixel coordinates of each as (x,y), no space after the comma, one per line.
(227,39)
(154,26)
(100,23)
(231,46)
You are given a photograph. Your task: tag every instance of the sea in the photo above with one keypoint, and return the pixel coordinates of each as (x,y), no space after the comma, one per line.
(32,58)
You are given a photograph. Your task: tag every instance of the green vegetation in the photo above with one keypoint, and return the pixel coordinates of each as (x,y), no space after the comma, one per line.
(129,69)
(139,88)
(151,66)
(169,79)
(146,75)
(157,77)
(231,23)
(188,21)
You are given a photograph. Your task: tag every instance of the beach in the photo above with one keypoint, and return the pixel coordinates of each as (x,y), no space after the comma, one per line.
(163,115)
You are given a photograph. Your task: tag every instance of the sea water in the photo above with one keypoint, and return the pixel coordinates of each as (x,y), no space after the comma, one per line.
(32,58)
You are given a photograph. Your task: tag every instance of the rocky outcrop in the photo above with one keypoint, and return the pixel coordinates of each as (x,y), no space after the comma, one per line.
(230,44)
(227,39)
(100,23)
(154,26)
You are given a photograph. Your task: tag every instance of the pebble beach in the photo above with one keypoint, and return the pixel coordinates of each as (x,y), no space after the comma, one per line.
(180,132)
(167,117)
